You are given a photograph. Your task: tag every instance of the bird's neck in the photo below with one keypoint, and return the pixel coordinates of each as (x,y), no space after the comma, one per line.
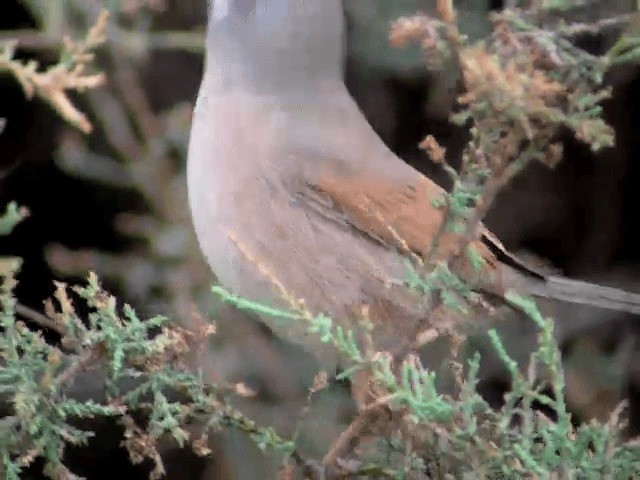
(286,48)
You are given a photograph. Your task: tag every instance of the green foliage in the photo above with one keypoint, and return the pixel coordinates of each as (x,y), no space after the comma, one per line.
(138,364)
(627,48)
(11,217)
(320,324)
(466,438)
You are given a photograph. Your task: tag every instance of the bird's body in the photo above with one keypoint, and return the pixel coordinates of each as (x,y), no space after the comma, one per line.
(290,187)
(311,253)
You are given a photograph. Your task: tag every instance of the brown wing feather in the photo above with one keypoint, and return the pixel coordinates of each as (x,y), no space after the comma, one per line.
(401,215)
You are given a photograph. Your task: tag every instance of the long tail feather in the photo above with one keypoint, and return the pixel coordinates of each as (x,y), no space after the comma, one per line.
(584,293)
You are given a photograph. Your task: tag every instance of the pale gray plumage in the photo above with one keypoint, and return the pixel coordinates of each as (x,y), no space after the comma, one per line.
(272,117)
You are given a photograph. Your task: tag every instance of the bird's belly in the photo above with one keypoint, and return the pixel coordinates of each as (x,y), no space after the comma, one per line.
(281,254)
(264,246)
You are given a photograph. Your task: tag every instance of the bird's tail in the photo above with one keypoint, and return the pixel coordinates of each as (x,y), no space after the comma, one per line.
(584,293)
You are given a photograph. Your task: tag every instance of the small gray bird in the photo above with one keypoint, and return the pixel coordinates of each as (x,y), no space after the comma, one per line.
(294,196)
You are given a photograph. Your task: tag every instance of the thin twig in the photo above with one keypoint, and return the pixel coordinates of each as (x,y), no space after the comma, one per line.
(343,443)
(39,319)
(127,41)
(80,365)
(596,27)
(489,193)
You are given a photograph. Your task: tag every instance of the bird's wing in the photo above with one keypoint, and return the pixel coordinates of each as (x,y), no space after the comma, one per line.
(402,216)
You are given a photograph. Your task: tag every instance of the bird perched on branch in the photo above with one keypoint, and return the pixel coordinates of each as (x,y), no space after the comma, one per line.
(294,196)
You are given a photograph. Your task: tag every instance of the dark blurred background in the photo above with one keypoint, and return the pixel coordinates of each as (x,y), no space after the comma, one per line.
(114,202)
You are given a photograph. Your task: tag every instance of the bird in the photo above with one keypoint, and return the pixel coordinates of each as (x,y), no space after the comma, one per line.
(295,198)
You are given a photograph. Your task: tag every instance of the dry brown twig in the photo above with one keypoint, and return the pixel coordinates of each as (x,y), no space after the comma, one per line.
(68,75)
(38,318)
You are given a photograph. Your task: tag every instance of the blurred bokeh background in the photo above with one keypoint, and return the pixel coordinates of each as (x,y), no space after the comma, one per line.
(114,201)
